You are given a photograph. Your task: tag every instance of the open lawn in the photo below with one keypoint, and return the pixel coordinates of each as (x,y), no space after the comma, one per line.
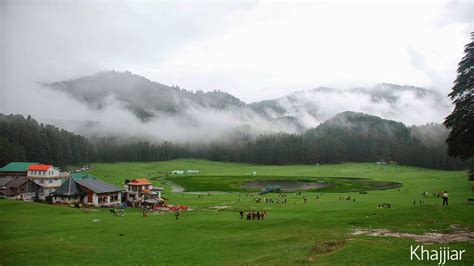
(319,231)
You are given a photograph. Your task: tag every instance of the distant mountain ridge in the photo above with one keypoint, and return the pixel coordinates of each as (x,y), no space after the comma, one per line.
(317,105)
(299,111)
(143,97)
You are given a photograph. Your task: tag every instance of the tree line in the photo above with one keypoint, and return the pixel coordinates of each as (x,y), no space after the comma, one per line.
(24,139)
(348,137)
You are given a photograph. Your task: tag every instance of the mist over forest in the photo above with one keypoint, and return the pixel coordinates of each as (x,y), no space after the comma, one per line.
(125,105)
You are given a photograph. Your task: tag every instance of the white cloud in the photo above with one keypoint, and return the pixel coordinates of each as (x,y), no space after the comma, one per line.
(254,50)
(288,46)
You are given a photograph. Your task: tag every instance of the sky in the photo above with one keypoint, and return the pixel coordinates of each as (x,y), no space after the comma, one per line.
(254,50)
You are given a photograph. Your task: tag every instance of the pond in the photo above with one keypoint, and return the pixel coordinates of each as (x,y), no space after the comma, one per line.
(286,185)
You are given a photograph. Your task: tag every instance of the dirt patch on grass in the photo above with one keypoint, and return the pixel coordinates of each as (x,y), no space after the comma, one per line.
(327,247)
(220,207)
(426,238)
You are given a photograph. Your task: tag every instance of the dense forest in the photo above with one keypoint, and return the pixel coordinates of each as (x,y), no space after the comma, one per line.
(346,137)
(24,139)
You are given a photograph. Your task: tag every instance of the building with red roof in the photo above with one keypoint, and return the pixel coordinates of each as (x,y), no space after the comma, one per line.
(46,176)
(138,190)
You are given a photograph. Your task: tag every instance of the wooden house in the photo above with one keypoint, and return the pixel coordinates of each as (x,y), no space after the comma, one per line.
(20,188)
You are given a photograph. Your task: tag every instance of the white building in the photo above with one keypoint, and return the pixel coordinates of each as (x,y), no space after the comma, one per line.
(46,176)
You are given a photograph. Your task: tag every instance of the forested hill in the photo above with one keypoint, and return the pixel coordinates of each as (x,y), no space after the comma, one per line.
(154,103)
(141,96)
(346,137)
(24,139)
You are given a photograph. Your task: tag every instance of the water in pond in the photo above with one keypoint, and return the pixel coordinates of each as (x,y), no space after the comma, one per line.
(286,185)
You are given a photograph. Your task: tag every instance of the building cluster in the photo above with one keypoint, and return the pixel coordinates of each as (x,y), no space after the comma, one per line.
(182,172)
(43,182)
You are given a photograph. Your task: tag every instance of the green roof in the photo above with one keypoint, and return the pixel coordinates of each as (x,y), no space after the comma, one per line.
(16,167)
(82,176)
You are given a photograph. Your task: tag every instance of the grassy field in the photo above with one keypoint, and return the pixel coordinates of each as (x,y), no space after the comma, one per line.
(293,233)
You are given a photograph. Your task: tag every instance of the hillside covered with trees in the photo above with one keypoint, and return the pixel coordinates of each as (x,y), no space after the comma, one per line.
(348,136)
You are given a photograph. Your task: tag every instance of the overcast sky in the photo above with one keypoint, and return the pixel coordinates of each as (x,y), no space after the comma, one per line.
(252,49)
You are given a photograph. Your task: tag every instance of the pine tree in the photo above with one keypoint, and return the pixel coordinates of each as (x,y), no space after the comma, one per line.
(461,121)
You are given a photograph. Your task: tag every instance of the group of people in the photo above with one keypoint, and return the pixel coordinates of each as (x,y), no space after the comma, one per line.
(444,195)
(348,197)
(282,199)
(254,215)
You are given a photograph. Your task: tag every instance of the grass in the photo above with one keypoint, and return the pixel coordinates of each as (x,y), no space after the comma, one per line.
(33,233)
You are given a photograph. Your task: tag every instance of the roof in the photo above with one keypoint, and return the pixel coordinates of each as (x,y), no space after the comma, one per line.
(19,181)
(8,185)
(7,192)
(16,167)
(39,167)
(139,182)
(5,180)
(68,188)
(82,176)
(97,185)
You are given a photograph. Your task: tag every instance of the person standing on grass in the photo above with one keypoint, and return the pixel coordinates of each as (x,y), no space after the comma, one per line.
(176,214)
(241,214)
(445,197)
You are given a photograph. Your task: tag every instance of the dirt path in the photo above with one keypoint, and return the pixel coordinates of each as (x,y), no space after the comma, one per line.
(461,235)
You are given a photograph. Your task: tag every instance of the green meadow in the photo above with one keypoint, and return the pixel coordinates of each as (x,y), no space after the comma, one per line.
(316,232)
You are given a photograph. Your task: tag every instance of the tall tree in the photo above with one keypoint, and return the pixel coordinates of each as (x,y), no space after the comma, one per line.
(461,121)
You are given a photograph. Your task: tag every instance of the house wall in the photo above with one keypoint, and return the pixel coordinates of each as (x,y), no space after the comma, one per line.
(66,200)
(13,174)
(106,196)
(26,196)
(44,192)
(48,182)
(51,172)
(137,188)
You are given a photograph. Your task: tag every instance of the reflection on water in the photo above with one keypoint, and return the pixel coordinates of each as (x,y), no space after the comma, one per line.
(286,185)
